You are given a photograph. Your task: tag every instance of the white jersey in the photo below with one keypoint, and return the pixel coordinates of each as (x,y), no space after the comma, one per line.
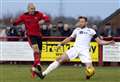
(83,37)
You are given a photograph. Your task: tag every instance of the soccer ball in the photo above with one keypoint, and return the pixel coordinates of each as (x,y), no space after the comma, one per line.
(90,71)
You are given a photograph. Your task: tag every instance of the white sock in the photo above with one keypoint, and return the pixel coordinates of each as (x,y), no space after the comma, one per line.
(51,67)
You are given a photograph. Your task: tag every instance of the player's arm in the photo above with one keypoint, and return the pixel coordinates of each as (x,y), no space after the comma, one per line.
(66,40)
(103,42)
(17,21)
(44,18)
(100,41)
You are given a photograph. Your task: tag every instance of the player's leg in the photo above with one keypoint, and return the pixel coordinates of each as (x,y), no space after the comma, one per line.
(86,59)
(56,63)
(33,67)
(37,59)
(53,65)
(67,56)
(36,54)
(37,48)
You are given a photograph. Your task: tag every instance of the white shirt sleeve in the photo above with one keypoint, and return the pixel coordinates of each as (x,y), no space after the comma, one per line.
(93,32)
(73,35)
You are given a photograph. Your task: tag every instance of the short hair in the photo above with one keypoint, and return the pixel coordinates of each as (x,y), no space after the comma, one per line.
(83,17)
(29,4)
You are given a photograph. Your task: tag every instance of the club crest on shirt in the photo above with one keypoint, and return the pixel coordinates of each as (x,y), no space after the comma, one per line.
(82,32)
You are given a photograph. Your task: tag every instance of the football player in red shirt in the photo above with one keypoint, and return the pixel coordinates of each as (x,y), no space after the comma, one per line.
(31,20)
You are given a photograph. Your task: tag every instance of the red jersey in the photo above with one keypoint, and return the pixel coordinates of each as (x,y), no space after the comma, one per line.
(32,22)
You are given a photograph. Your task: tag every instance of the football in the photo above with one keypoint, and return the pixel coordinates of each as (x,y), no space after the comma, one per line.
(90,71)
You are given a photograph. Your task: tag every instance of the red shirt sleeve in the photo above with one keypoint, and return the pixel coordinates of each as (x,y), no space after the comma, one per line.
(44,17)
(18,20)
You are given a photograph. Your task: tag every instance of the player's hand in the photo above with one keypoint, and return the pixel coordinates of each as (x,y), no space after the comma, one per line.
(41,22)
(112,42)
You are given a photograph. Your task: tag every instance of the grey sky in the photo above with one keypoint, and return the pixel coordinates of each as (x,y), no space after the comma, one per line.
(74,8)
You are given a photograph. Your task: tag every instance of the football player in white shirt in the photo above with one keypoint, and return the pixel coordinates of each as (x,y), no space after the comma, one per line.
(83,36)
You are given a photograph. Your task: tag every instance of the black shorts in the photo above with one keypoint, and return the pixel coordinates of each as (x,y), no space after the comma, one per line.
(35,40)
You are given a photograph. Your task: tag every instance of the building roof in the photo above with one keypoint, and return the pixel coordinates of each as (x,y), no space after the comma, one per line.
(117,12)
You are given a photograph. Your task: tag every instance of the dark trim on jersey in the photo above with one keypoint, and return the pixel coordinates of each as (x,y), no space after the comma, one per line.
(95,36)
(27,13)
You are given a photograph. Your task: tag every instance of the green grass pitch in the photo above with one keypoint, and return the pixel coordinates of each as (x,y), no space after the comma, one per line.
(21,73)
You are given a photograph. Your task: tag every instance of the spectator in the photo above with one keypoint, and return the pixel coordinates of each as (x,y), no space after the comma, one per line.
(97,32)
(55,31)
(2,34)
(46,30)
(60,26)
(107,31)
(7,31)
(12,31)
(21,32)
(66,30)
(95,28)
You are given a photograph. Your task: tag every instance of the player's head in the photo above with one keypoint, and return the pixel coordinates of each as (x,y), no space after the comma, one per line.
(83,21)
(31,8)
